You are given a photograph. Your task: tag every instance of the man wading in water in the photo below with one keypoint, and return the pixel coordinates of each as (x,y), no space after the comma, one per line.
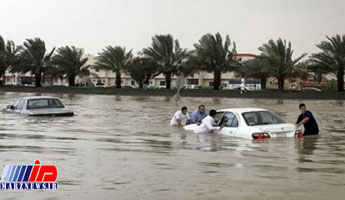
(307,119)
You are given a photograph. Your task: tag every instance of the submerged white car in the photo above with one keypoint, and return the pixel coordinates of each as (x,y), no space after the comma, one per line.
(39,106)
(251,123)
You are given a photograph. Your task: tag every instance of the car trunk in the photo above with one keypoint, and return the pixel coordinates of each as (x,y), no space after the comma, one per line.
(51,112)
(279,130)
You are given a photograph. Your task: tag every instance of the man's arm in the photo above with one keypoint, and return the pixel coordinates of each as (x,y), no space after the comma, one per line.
(305,120)
(193,117)
(179,123)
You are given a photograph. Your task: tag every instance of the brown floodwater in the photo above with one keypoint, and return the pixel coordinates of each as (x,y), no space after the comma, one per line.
(121,147)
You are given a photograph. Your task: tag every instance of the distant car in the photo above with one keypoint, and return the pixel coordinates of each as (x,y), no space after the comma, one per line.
(128,87)
(81,84)
(238,88)
(100,85)
(39,106)
(192,87)
(13,84)
(311,89)
(251,123)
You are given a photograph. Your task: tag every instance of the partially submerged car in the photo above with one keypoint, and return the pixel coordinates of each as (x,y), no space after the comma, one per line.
(39,106)
(251,123)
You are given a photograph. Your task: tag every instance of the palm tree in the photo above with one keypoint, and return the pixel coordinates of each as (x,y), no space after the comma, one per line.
(254,68)
(32,58)
(332,57)
(69,63)
(278,56)
(168,54)
(142,69)
(214,56)
(115,59)
(8,52)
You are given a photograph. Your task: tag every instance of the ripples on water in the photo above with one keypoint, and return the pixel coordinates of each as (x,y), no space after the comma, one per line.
(121,147)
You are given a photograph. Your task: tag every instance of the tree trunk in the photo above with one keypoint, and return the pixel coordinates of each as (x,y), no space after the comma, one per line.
(281,83)
(118,80)
(38,77)
(263,83)
(216,79)
(168,80)
(340,79)
(141,85)
(1,83)
(71,81)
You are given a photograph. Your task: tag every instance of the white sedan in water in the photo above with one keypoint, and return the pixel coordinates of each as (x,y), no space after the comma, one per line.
(251,123)
(39,106)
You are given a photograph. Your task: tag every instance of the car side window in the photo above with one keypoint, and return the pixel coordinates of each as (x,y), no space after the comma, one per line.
(218,116)
(20,105)
(229,120)
(16,103)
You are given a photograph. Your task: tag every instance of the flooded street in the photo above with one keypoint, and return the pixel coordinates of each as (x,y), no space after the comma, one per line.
(121,147)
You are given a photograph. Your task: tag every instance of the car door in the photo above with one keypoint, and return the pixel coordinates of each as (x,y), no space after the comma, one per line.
(230,122)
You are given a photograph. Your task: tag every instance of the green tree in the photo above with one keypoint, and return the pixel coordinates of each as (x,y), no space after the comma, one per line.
(278,56)
(69,63)
(317,70)
(168,54)
(332,57)
(213,56)
(32,58)
(254,68)
(142,69)
(8,52)
(116,59)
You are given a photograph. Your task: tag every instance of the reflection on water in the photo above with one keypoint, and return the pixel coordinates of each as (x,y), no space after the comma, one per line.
(122,147)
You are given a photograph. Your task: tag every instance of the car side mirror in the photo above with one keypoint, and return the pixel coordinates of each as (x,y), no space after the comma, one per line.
(11,107)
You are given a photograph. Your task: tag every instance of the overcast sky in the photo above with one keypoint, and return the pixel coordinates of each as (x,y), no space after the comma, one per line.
(94,24)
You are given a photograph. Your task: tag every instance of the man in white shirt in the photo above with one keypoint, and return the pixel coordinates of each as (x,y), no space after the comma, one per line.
(208,125)
(180,117)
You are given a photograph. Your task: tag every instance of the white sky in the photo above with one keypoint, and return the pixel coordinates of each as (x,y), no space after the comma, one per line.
(94,24)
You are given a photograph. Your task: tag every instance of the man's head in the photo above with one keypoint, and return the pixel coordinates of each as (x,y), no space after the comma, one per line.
(302,108)
(212,113)
(184,110)
(201,109)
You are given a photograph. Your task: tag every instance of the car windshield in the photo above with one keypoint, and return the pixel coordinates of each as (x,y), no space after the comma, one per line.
(262,118)
(44,103)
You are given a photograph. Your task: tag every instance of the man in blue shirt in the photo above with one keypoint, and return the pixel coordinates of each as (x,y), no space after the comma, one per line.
(198,114)
(307,119)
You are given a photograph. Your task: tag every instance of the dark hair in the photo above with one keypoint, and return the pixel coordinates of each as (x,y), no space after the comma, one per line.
(201,106)
(212,113)
(301,105)
(183,108)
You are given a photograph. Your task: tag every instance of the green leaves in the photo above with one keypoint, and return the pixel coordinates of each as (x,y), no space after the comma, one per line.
(32,58)
(214,56)
(69,63)
(278,58)
(8,52)
(167,53)
(116,59)
(331,58)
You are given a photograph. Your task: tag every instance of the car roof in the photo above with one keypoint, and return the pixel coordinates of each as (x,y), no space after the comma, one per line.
(39,97)
(242,110)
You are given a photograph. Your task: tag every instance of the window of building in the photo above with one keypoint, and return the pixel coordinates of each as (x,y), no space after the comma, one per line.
(97,70)
(132,82)
(210,84)
(162,83)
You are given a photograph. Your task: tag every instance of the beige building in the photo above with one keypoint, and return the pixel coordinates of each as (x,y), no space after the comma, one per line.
(201,78)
